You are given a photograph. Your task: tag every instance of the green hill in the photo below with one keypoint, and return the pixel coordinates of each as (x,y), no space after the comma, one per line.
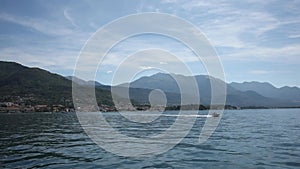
(37,86)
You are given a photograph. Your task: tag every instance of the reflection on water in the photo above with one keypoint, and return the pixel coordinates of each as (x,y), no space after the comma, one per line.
(244,139)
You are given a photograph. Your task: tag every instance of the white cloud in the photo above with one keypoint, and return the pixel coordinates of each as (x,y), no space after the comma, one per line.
(34,57)
(259,72)
(225,22)
(294,36)
(226,31)
(69,17)
(228,25)
(287,54)
(132,45)
(146,67)
(40,25)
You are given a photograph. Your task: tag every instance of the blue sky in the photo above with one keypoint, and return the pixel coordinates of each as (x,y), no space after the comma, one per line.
(255,40)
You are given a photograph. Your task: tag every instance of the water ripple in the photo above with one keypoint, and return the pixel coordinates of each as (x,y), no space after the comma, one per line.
(244,139)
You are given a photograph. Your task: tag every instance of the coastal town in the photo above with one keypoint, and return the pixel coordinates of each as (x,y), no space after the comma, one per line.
(10,107)
(13,107)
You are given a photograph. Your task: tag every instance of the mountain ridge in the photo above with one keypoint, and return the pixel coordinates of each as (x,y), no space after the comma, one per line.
(291,94)
(234,96)
(37,86)
(16,79)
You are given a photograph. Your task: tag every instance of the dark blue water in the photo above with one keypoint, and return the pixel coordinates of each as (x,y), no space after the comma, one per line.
(244,139)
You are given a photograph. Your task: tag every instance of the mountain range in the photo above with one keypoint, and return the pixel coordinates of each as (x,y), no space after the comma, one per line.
(36,85)
(238,94)
(289,94)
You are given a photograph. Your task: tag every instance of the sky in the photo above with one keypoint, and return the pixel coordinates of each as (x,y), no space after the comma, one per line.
(255,40)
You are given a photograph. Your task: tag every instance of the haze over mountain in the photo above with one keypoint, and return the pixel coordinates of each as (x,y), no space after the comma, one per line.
(291,94)
(235,96)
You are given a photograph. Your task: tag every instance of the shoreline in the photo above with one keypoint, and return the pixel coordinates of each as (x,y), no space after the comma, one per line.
(49,112)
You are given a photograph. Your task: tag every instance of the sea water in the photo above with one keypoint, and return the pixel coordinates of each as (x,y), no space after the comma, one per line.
(263,138)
